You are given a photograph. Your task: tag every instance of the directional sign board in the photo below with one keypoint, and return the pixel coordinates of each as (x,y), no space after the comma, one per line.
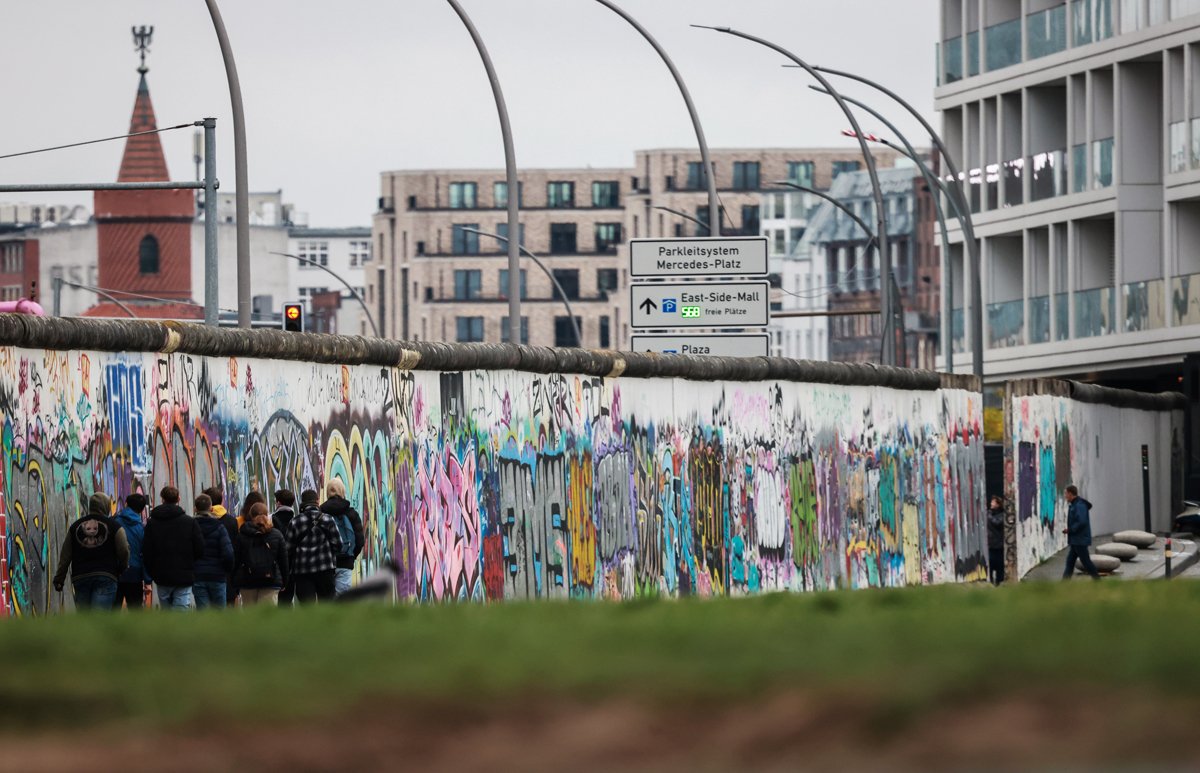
(724,256)
(712,345)
(700,304)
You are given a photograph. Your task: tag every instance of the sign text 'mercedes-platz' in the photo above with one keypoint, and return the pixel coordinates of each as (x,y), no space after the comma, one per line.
(724,256)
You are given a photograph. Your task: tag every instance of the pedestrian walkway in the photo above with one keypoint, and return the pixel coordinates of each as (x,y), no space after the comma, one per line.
(1149,564)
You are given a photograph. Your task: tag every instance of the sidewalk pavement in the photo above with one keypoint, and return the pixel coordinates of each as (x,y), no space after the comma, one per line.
(1150,563)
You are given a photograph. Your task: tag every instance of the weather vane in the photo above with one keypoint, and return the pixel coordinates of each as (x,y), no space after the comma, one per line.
(141,42)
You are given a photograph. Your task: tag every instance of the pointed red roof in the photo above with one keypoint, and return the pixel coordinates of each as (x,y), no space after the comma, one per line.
(143,160)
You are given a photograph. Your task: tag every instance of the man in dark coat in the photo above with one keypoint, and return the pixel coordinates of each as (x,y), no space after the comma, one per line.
(132,583)
(1079,534)
(285,502)
(170,548)
(214,567)
(96,551)
(313,545)
(230,523)
(995,540)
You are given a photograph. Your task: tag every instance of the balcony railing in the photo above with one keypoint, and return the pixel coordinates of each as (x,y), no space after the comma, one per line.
(1013,192)
(1039,319)
(1185,300)
(1102,163)
(1062,316)
(1049,175)
(1003,44)
(956,331)
(1047,32)
(1094,312)
(1179,145)
(1079,168)
(1006,324)
(952,59)
(1144,306)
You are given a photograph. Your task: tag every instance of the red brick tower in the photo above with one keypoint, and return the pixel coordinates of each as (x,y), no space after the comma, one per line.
(144,237)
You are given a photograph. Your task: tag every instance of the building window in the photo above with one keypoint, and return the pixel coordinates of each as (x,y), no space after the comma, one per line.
(360,253)
(560,195)
(702,227)
(502,231)
(745,175)
(562,239)
(608,236)
(696,180)
(500,195)
(148,255)
(308,292)
(504,284)
(606,195)
(314,252)
(464,242)
(605,332)
(779,242)
(564,331)
(845,166)
(464,195)
(801,173)
(751,224)
(568,280)
(467,284)
(606,280)
(469,330)
(524,329)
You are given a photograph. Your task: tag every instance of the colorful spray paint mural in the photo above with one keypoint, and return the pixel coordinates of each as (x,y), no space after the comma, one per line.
(510,485)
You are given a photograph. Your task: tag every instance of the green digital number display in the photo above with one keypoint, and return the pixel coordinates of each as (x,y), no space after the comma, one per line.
(689,312)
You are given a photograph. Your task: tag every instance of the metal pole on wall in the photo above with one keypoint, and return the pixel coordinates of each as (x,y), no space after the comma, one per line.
(887,315)
(510,170)
(714,204)
(240,175)
(972,247)
(212,314)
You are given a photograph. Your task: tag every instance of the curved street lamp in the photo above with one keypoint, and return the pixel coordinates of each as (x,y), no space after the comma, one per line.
(561,292)
(714,206)
(887,315)
(338,277)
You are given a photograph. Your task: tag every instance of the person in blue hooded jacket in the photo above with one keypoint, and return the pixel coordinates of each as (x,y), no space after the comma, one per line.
(132,582)
(1079,534)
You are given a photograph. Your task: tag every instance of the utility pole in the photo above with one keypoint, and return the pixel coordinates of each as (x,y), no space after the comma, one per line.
(212,314)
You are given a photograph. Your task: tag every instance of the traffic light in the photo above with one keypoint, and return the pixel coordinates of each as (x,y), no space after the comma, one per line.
(293,317)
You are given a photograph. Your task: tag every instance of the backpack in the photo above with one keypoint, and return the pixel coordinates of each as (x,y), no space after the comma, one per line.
(346,532)
(260,560)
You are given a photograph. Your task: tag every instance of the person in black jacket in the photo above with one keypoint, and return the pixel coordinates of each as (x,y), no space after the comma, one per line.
(170,548)
(995,540)
(285,502)
(350,528)
(231,528)
(214,567)
(96,551)
(261,568)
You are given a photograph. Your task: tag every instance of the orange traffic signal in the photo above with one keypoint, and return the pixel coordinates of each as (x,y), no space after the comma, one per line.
(293,317)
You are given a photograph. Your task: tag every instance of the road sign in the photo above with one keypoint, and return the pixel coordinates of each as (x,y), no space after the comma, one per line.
(712,345)
(700,304)
(724,256)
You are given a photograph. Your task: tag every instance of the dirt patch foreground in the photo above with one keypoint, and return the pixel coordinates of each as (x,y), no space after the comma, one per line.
(787,732)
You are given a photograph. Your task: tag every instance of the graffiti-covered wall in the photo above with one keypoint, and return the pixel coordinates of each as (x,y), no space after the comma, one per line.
(500,484)
(1057,441)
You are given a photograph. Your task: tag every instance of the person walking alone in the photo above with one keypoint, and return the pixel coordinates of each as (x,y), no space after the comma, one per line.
(995,540)
(350,531)
(313,544)
(171,547)
(261,568)
(215,566)
(96,551)
(131,585)
(1079,534)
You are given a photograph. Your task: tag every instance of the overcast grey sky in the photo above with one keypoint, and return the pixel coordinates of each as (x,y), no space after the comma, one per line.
(338,92)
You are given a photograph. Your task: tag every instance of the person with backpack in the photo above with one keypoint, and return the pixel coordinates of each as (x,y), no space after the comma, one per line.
(215,566)
(171,546)
(96,551)
(261,567)
(231,528)
(131,585)
(284,502)
(313,544)
(252,499)
(350,530)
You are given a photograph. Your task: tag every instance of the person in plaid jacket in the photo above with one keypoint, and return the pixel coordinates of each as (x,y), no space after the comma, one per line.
(313,545)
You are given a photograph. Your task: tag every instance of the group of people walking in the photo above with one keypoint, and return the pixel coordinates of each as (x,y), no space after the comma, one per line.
(211,558)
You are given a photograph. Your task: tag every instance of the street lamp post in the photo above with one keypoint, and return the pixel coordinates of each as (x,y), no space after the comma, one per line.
(872,239)
(348,286)
(550,275)
(510,169)
(241,177)
(888,354)
(972,247)
(714,205)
